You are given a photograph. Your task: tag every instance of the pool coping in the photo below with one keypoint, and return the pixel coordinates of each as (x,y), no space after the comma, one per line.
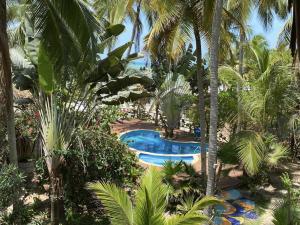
(138,152)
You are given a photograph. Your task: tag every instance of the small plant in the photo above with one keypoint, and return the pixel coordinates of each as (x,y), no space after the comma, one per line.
(287,211)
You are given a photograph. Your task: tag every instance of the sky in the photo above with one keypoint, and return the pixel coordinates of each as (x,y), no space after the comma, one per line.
(257,29)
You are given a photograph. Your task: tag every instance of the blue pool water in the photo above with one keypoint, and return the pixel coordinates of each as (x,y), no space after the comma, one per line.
(150,141)
(160,160)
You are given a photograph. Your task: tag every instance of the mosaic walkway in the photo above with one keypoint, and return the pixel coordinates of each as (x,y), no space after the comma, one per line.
(235,210)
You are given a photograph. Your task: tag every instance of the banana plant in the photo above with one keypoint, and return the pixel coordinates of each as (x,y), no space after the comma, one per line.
(109,77)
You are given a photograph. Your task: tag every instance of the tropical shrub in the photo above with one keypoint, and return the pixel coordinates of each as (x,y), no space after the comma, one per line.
(186,183)
(106,116)
(11,184)
(287,211)
(254,151)
(11,189)
(96,155)
(150,203)
(27,129)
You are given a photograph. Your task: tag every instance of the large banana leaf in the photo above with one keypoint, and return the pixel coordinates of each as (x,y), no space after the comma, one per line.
(126,96)
(46,72)
(114,86)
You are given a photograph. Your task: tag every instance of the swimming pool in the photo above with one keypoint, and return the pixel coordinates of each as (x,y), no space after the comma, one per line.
(159,160)
(153,149)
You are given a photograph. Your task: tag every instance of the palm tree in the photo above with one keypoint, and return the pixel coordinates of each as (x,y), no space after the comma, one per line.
(6,80)
(273,90)
(212,150)
(177,22)
(116,11)
(253,150)
(169,97)
(295,32)
(239,12)
(150,205)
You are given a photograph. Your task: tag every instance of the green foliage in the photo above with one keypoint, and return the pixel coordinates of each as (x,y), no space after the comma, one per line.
(227,103)
(253,150)
(106,116)
(188,185)
(45,71)
(96,155)
(11,184)
(27,122)
(27,128)
(171,97)
(287,211)
(273,96)
(150,204)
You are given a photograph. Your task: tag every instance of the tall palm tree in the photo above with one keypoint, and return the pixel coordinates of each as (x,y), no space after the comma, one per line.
(177,22)
(150,205)
(294,6)
(239,12)
(214,54)
(6,79)
(117,11)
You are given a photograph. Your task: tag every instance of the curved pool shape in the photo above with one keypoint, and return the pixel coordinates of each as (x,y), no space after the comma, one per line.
(155,150)
(159,160)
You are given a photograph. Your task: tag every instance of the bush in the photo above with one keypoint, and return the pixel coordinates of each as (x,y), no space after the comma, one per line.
(95,156)
(27,128)
(11,184)
(11,190)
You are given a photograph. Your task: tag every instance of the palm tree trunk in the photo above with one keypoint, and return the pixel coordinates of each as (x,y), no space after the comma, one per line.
(297,17)
(156,114)
(135,26)
(201,100)
(56,197)
(214,55)
(241,71)
(6,77)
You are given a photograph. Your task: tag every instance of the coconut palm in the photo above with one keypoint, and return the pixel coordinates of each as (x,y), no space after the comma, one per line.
(273,92)
(240,11)
(150,203)
(267,9)
(6,83)
(289,36)
(117,11)
(212,149)
(177,22)
(294,6)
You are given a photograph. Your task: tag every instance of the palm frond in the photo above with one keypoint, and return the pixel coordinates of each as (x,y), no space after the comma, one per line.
(278,152)
(205,202)
(116,202)
(228,76)
(251,151)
